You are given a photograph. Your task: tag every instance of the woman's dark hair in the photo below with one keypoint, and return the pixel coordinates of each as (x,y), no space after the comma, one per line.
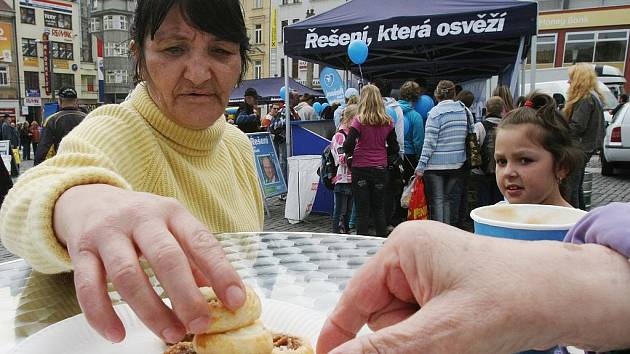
(466,97)
(553,135)
(223,19)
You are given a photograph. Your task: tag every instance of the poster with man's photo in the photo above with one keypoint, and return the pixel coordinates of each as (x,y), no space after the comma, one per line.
(267,165)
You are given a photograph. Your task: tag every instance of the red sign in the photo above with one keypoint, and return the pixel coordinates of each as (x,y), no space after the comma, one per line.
(46,63)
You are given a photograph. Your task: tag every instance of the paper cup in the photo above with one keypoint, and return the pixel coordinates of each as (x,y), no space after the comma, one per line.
(525,221)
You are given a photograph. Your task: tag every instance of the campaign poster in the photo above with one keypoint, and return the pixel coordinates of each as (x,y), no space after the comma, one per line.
(333,87)
(267,165)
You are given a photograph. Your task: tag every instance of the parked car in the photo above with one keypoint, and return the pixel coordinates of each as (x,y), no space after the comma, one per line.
(558,90)
(616,149)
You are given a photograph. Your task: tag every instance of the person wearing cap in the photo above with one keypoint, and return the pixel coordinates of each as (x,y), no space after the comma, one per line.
(248,113)
(59,124)
(352,97)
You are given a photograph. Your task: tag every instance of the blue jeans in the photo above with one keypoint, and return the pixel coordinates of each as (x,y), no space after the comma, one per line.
(443,196)
(343,208)
(368,191)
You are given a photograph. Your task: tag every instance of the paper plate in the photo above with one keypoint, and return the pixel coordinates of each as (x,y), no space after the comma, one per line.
(74,335)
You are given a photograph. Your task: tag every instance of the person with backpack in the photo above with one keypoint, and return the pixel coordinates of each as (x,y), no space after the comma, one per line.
(488,192)
(343,177)
(59,124)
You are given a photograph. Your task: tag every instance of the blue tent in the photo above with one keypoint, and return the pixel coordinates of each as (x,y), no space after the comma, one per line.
(269,89)
(433,39)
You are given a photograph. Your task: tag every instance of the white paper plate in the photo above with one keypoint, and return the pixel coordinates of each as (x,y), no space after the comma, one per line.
(75,336)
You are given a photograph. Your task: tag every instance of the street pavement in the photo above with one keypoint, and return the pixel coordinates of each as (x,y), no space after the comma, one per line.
(604,190)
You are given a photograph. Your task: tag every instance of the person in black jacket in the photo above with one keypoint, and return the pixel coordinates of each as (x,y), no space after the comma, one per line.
(59,124)
(248,114)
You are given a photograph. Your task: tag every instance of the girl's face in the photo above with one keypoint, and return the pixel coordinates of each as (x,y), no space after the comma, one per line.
(525,171)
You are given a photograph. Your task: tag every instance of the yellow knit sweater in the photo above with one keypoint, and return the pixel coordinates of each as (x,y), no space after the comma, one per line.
(134,146)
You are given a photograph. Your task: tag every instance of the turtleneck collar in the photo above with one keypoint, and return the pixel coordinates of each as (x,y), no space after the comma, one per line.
(194,142)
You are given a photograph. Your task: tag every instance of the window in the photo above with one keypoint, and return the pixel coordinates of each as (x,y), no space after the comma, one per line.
(283,24)
(546,49)
(611,46)
(95,24)
(62,50)
(296,20)
(285,2)
(27,15)
(115,22)
(257,4)
(31,81)
(63,80)
(282,67)
(605,46)
(113,49)
(29,47)
(257,69)
(258,34)
(116,77)
(4,76)
(57,20)
(87,83)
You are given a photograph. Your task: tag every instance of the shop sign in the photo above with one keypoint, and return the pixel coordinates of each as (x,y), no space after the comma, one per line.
(57,34)
(582,19)
(33,101)
(6,42)
(47,69)
(29,61)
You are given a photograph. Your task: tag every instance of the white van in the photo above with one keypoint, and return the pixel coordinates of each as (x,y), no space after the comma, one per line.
(561,87)
(607,74)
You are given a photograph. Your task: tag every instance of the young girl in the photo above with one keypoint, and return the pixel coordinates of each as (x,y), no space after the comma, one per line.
(535,154)
(370,140)
(343,180)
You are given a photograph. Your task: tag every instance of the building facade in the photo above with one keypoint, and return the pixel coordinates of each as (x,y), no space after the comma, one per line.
(591,31)
(9,83)
(110,21)
(51,40)
(258,23)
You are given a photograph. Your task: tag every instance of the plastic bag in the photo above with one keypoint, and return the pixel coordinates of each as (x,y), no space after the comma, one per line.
(406,194)
(418,207)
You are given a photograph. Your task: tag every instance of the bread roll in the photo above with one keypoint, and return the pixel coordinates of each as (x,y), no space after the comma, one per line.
(223,320)
(253,339)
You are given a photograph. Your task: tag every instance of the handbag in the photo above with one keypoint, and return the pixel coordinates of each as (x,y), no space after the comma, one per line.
(473,150)
(418,207)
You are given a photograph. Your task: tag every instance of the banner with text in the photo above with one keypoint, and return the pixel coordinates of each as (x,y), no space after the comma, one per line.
(267,165)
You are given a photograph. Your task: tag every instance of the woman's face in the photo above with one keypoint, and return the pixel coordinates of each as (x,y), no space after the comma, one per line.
(525,171)
(190,74)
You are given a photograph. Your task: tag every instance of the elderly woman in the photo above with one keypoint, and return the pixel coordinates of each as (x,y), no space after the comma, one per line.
(152,177)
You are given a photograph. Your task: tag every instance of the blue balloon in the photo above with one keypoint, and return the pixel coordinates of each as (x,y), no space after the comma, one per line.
(318,107)
(358,51)
(424,105)
(283,93)
(324,105)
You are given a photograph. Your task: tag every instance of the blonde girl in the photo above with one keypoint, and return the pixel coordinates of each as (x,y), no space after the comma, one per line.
(343,180)
(371,138)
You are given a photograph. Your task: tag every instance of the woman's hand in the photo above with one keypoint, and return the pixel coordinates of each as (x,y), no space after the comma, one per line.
(480,295)
(419,174)
(106,229)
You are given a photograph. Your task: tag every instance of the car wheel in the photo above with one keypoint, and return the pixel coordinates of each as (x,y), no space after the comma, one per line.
(607,167)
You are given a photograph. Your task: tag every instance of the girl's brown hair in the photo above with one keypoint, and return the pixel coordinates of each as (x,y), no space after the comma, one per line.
(371,107)
(506,95)
(552,134)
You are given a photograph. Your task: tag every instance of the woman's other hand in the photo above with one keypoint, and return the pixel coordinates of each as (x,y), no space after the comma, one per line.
(480,295)
(106,229)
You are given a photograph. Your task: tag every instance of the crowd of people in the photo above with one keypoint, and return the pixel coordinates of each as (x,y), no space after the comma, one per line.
(96,209)
(545,167)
